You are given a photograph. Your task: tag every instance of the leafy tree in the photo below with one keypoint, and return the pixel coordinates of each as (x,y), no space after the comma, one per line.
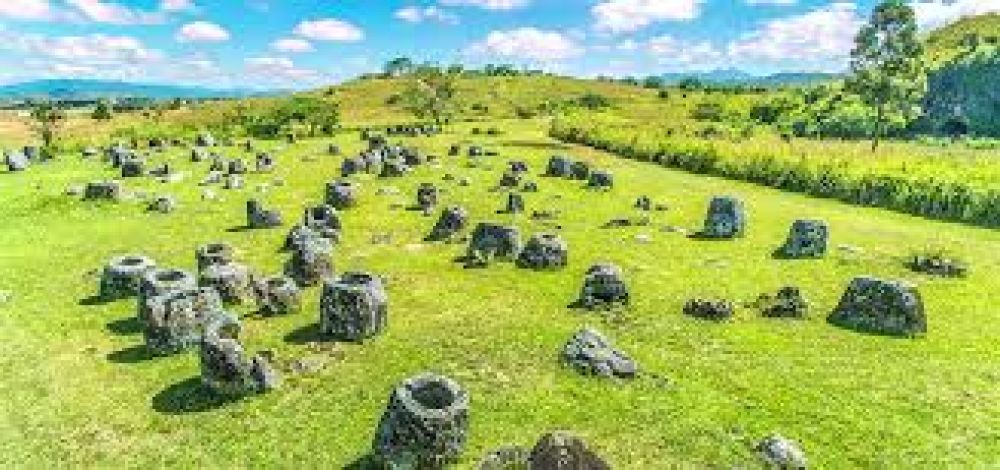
(48,121)
(313,112)
(399,66)
(593,101)
(888,72)
(431,95)
(102,112)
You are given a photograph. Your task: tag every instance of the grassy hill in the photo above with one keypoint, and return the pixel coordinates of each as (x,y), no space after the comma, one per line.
(945,44)
(88,90)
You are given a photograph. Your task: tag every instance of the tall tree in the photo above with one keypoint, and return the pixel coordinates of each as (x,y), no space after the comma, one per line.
(398,67)
(48,121)
(887,66)
(102,112)
(431,95)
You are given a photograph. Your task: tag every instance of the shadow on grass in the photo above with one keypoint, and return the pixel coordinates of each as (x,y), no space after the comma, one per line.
(536,144)
(306,334)
(240,229)
(366,462)
(189,396)
(125,326)
(94,300)
(132,355)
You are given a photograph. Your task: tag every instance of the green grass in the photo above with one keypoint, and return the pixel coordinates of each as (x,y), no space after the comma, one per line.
(79,391)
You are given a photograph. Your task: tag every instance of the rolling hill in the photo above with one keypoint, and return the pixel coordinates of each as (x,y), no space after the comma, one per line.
(73,89)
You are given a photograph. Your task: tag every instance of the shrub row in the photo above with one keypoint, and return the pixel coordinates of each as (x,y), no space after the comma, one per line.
(926,194)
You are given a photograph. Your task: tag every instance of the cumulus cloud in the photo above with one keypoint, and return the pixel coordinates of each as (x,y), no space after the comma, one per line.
(177,5)
(624,16)
(202,31)
(113,13)
(26,9)
(329,29)
(932,14)
(528,44)
(822,36)
(292,45)
(94,48)
(489,4)
(668,50)
(280,70)
(431,13)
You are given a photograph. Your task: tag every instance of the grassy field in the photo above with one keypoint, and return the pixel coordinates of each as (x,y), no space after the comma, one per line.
(80,390)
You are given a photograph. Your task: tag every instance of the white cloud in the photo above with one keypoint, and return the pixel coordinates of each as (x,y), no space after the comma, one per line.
(668,50)
(329,29)
(932,14)
(26,9)
(202,31)
(72,70)
(292,45)
(177,5)
(95,47)
(432,13)
(624,16)
(280,70)
(821,37)
(527,44)
(771,2)
(489,4)
(113,13)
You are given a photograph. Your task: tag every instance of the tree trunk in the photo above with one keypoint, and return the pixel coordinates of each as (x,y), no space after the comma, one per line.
(880,117)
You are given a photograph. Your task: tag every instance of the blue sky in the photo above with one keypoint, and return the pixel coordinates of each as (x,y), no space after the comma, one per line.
(305,43)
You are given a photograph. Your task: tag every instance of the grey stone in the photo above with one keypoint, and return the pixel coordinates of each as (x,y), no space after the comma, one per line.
(425,423)
(937,264)
(311,261)
(787,303)
(123,275)
(258,217)
(600,179)
(780,453)
(726,218)
(204,139)
(162,204)
(806,239)
(564,451)
(515,204)
(559,166)
(580,171)
(15,161)
(103,190)
(644,203)
(493,241)
(323,219)
(159,281)
(394,168)
(544,251)
(233,181)
(341,194)
(132,168)
(351,166)
(224,367)
(453,220)
(427,196)
(510,179)
(175,320)
(880,306)
(278,295)
(212,254)
(354,307)
(506,458)
(231,280)
(603,284)
(709,309)
(589,352)
(236,167)
(264,163)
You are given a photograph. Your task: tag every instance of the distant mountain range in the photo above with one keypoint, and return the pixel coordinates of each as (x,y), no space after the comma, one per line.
(739,77)
(72,89)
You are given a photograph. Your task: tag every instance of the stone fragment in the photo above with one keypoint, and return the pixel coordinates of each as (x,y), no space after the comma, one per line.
(311,261)
(233,281)
(780,453)
(881,306)
(493,241)
(806,239)
(710,309)
(564,451)
(278,295)
(224,367)
(726,218)
(213,253)
(787,303)
(590,353)
(341,194)
(453,220)
(175,320)
(544,251)
(258,217)
(603,285)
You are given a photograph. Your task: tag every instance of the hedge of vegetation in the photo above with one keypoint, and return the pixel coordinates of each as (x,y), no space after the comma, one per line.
(919,189)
